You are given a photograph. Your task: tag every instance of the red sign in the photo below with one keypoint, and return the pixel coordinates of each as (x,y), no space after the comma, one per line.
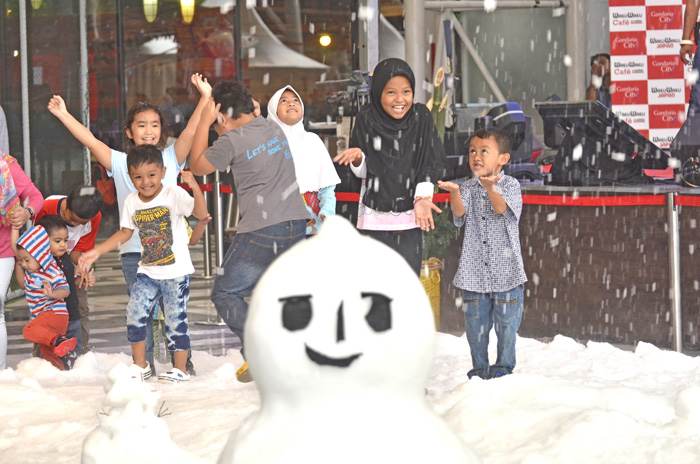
(630,93)
(665,17)
(628,43)
(666,116)
(665,67)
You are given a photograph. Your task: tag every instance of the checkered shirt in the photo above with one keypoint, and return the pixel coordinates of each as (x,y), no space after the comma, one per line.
(491,260)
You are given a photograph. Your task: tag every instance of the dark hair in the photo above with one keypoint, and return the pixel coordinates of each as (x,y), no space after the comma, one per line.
(137,109)
(144,154)
(52,223)
(502,138)
(596,56)
(85,201)
(234,98)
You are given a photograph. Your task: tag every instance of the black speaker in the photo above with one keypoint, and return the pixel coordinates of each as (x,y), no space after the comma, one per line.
(686,149)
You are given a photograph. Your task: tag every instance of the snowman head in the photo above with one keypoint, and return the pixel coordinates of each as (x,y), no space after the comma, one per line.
(339,313)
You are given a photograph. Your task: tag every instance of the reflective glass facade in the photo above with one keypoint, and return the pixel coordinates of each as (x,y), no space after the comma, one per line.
(142,50)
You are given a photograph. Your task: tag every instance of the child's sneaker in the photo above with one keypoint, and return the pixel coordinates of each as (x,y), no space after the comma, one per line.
(141,372)
(243,374)
(69,360)
(173,376)
(63,345)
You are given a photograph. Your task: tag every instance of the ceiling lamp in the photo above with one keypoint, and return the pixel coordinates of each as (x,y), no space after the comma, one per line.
(150,10)
(187,10)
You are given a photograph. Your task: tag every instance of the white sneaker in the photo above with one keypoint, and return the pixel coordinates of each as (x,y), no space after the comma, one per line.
(174,375)
(141,372)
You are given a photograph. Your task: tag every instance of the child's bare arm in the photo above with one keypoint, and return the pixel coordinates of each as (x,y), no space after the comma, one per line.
(199,230)
(200,206)
(89,257)
(183,145)
(455,197)
(99,149)
(19,276)
(198,162)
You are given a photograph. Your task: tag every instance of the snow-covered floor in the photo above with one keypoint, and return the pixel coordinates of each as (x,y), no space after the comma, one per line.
(566,403)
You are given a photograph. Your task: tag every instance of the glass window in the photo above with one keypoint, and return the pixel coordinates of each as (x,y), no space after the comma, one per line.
(146,51)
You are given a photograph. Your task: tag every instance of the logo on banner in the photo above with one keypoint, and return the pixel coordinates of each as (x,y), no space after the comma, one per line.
(663,42)
(666,116)
(636,116)
(665,67)
(628,18)
(664,17)
(630,93)
(628,68)
(662,137)
(666,91)
(628,43)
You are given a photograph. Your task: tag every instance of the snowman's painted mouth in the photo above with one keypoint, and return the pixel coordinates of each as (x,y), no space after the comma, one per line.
(324,360)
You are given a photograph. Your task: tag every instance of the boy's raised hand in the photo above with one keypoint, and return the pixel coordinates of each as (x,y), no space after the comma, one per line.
(201,84)
(57,106)
(210,112)
(188,178)
(449,186)
(489,181)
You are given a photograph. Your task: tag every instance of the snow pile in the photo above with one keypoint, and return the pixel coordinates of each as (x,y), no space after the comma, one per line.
(129,429)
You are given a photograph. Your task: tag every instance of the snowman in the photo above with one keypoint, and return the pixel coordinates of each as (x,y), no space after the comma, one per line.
(340,340)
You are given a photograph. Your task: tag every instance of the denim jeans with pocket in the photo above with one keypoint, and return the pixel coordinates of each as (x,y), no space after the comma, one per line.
(501,310)
(246,260)
(175,293)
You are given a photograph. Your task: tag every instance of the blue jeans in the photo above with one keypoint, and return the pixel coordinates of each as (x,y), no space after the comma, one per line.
(694,100)
(75,330)
(130,265)
(175,293)
(246,260)
(482,311)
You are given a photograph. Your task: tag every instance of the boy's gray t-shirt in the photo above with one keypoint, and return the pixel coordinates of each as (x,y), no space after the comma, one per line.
(260,160)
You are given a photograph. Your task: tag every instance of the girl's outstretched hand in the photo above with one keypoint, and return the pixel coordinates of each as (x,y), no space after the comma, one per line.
(351,155)
(201,84)
(57,106)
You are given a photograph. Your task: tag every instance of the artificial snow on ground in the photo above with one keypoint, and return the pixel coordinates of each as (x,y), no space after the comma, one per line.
(565,403)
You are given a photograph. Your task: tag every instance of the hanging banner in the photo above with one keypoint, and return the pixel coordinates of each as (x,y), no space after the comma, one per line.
(647,75)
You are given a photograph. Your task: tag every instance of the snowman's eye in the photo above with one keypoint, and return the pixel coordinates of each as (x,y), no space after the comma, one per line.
(379,315)
(296,312)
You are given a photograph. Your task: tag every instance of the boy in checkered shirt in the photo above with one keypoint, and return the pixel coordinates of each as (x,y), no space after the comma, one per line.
(490,273)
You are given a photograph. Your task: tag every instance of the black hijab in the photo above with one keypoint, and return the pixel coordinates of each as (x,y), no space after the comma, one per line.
(399,153)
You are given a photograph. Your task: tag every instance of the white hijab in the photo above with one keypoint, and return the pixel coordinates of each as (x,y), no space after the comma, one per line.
(312,162)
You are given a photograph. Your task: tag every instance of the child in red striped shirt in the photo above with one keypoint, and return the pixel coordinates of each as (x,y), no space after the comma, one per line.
(46,287)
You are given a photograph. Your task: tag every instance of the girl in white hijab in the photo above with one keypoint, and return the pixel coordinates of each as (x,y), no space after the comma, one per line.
(314,167)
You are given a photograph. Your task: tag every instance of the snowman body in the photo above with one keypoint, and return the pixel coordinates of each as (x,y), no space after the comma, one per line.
(340,340)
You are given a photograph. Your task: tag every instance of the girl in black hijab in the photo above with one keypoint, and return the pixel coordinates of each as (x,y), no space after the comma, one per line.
(396,148)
